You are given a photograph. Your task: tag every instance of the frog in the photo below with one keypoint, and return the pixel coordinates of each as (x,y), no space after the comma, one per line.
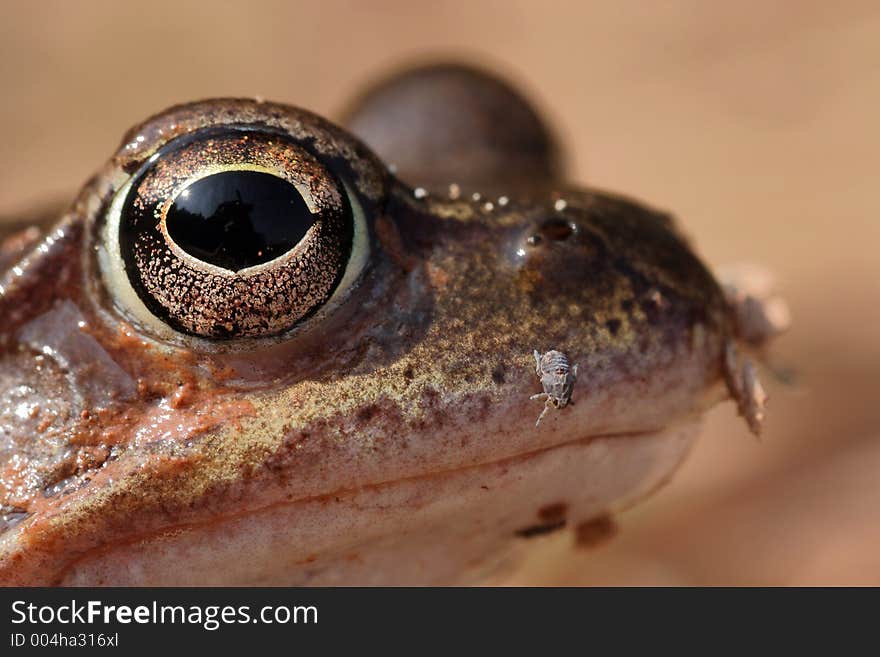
(263,348)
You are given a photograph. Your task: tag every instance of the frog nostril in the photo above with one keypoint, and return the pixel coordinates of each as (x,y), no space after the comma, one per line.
(554,230)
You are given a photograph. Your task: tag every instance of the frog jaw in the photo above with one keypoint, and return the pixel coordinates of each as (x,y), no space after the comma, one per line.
(453,527)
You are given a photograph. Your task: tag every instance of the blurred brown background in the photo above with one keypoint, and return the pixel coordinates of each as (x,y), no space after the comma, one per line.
(756,122)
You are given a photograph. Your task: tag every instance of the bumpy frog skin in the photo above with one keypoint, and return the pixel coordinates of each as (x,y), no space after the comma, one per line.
(389,437)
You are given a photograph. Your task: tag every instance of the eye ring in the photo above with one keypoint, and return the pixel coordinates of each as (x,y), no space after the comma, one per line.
(158,282)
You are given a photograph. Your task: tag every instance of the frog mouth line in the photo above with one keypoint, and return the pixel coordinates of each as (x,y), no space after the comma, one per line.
(349,495)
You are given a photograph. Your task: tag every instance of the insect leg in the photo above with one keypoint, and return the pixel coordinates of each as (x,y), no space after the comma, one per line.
(543,413)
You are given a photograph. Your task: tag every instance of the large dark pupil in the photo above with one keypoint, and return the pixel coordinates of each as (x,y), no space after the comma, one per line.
(238,219)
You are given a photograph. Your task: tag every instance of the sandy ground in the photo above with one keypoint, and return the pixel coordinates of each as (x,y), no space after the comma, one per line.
(755,122)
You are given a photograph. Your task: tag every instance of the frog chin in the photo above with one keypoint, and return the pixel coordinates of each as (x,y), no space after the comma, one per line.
(455,527)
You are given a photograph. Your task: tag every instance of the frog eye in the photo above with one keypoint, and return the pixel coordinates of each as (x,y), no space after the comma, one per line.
(232,233)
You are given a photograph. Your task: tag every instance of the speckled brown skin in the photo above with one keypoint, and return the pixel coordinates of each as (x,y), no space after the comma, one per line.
(389,439)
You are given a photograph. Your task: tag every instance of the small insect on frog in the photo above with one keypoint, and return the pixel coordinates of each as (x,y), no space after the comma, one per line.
(262,348)
(557,377)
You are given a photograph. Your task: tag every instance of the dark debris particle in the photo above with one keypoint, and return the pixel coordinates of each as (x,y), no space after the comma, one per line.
(553,512)
(540,530)
(595,532)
